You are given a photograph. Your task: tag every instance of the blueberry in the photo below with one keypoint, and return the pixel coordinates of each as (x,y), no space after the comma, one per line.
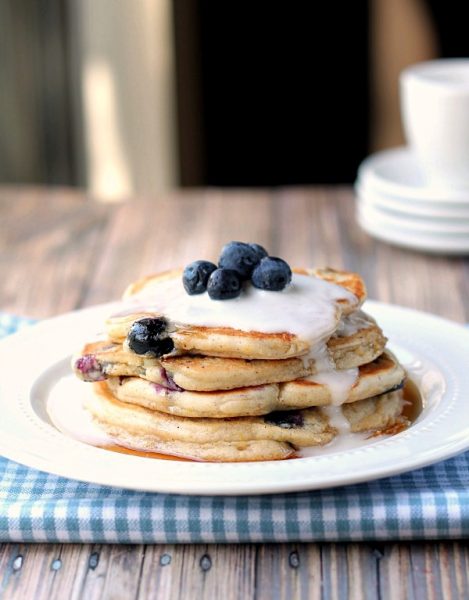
(240,257)
(224,284)
(196,275)
(169,382)
(90,368)
(149,336)
(271,274)
(259,250)
(394,388)
(287,419)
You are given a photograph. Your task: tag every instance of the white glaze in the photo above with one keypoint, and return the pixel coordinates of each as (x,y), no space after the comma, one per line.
(341,443)
(319,354)
(307,308)
(347,326)
(337,419)
(351,324)
(339,383)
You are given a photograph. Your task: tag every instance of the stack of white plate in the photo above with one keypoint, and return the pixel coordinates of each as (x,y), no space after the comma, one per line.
(395,204)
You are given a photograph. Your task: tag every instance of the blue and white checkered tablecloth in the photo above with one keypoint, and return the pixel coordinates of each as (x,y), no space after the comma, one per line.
(429,503)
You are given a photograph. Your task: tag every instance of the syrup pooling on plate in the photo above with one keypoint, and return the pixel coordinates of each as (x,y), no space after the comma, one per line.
(308,308)
(413,402)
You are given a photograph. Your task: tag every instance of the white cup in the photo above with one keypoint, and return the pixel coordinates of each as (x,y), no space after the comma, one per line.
(435,112)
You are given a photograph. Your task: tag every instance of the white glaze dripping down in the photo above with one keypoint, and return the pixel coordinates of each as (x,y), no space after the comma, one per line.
(347,326)
(352,323)
(339,383)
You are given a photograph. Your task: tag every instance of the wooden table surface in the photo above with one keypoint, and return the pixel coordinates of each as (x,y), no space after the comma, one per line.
(60,251)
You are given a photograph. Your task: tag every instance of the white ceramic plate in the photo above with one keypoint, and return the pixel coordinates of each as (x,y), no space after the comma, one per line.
(457,227)
(397,172)
(434,350)
(406,207)
(435,243)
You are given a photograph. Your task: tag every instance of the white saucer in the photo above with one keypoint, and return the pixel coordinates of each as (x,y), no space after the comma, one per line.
(395,204)
(444,212)
(415,240)
(397,173)
(456,228)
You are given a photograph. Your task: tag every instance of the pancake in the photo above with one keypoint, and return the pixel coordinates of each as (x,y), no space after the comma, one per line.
(210,452)
(357,341)
(276,435)
(372,379)
(235,342)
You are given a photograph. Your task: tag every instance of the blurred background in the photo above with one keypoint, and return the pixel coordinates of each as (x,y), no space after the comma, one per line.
(127,97)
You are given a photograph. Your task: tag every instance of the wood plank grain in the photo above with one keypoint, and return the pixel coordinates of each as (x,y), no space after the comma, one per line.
(48,242)
(213,571)
(172,231)
(289,571)
(274,571)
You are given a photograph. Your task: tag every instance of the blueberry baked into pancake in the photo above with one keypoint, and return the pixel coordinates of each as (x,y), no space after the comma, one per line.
(243,360)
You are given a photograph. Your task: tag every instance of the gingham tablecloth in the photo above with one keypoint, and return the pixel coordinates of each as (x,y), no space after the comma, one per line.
(428,503)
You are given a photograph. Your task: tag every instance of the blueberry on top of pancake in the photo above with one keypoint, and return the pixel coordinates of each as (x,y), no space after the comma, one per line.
(195,276)
(272,274)
(224,284)
(240,257)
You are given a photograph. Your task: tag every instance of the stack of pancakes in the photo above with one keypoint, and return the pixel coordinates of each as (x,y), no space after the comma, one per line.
(228,394)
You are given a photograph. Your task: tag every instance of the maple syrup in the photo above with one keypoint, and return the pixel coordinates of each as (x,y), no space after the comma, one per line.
(144,454)
(413,401)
